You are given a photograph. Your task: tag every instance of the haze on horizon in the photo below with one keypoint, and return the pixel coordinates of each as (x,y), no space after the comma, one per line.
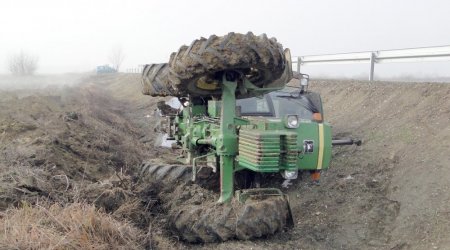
(76,36)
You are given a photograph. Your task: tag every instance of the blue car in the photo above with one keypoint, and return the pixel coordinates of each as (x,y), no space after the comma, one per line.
(105,69)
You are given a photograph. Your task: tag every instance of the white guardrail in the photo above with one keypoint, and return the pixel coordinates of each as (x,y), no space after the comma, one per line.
(438,53)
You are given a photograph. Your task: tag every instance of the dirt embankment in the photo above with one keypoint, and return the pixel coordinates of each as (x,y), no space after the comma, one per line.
(68,145)
(406,156)
(74,144)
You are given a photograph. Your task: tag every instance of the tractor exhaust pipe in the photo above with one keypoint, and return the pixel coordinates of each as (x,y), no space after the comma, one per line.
(345,141)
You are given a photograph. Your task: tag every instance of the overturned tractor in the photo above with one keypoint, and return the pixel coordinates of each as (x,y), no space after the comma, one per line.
(238,119)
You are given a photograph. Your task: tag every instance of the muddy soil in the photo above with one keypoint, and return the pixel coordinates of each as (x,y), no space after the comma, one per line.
(83,142)
(70,143)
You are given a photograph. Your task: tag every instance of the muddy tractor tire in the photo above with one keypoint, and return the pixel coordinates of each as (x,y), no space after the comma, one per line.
(155,80)
(205,220)
(217,223)
(196,69)
(166,174)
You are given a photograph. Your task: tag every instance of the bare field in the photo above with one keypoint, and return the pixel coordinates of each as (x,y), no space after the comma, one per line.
(79,145)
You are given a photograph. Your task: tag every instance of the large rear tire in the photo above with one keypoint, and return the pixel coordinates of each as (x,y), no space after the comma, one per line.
(196,69)
(195,216)
(216,223)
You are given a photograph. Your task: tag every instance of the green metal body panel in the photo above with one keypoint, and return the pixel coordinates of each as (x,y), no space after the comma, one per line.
(268,146)
(309,131)
(327,146)
(267,150)
(214,108)
(227,142)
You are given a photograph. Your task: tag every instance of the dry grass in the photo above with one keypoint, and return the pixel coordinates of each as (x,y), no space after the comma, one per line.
(74,226)
(81,163)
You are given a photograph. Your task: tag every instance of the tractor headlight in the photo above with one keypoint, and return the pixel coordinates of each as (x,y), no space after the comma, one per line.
(289,175)
(292,121)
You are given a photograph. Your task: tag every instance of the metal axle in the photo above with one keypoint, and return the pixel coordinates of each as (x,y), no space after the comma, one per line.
(345,141)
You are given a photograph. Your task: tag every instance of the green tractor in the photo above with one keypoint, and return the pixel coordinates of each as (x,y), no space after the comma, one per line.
(240,119)
(278,132)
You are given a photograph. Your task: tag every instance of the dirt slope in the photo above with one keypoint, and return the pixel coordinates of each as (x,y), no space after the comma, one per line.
(406,129)
(82,143)
(66,145)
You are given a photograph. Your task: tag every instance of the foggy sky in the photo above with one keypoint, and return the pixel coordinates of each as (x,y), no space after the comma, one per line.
(75,36)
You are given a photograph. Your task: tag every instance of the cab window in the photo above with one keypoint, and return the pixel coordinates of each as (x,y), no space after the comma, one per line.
(288,105)
(255,106)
